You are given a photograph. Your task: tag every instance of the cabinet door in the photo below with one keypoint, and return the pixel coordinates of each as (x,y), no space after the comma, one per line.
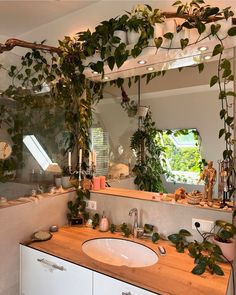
(104,285)
(43,274)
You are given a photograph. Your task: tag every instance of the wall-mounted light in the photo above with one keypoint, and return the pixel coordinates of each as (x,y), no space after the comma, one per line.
(207,57)
(150,69)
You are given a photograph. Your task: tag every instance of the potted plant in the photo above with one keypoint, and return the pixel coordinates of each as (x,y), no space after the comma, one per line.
(65,180)
(224,238)
(120,29)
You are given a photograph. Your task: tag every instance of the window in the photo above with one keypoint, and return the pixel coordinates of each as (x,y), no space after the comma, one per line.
(100,143)
(183,157)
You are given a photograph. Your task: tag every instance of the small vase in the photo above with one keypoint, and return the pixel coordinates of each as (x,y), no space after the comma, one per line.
(122,35)
(65,181)
(133,37)
(228,249)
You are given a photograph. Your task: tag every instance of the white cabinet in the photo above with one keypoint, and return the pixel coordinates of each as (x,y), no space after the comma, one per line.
(43,274)
(103,285)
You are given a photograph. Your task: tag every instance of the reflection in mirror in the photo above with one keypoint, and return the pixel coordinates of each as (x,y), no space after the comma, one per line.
(34,139)
(179,100)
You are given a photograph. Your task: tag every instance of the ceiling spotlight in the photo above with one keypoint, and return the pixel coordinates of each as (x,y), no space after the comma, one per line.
(94,72)
(106,78)
(142,62)
(203,48)
(150,68)
(207,57)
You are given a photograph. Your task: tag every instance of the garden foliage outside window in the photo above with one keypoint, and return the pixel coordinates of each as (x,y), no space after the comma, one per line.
(182,155)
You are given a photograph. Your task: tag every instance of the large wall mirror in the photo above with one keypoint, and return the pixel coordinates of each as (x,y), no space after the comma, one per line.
(178,100)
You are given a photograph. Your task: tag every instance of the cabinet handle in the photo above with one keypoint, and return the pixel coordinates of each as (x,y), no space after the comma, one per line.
(53,265)
(126,293)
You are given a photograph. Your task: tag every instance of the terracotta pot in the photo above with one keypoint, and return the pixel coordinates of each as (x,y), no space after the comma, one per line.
(228,249)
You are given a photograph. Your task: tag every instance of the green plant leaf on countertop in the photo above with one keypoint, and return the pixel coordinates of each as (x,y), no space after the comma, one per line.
(155,237)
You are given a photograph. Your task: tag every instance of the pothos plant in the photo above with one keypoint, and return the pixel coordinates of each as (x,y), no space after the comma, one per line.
(66,74)
(149,168)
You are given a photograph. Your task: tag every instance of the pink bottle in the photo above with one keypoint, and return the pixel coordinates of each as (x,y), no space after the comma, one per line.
(102,182)
(96,183)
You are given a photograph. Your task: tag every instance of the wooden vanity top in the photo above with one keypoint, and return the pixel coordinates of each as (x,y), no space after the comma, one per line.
(171,275)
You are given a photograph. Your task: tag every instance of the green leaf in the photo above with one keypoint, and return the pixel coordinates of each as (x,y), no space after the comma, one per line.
(200,67)
(199,269)
(184,43)
(201,27)
(232,31)
(155,237)
(174,238)
(221,132)
(217,270)
(180,247)
(229,120)
(214,80)
(111,62)
(217,49)
(158,42)
(184,233)
(227,135)
(215,29)
(222,113)
(169,36)
(177,3)
(231,93)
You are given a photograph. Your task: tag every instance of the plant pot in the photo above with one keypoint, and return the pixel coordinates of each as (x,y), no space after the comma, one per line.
(58,181)
(122,35)
(142,111)
(65,181)
(228,249)
(133,37)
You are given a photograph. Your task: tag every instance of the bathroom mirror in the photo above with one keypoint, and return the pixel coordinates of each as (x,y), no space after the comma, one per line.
(179,100)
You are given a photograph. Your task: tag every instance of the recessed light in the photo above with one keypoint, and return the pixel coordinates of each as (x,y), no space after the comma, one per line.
(207,57)
(94,72)
(106,78)
(142,62)
(203,48)
(150,68)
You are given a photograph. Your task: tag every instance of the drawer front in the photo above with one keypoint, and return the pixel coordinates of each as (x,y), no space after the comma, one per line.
(104,285)
(43,274)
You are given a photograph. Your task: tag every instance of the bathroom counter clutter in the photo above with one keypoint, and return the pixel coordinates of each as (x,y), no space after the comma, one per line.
(170,275)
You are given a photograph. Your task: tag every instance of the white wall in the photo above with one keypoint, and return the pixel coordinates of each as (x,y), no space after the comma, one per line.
(18,223)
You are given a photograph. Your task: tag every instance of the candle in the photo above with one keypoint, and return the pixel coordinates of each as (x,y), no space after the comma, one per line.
(90,159)
(102,182)
(94,158)
(69,159)
(96,183)
(80,156)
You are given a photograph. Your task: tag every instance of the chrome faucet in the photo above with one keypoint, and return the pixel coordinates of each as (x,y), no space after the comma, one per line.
(135,225)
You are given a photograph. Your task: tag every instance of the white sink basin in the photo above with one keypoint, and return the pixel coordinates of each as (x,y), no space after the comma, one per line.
(119,252)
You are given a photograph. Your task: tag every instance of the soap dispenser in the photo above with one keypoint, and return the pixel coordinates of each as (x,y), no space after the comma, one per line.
(104,223)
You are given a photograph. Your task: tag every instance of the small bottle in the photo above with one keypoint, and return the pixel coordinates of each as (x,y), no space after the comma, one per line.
(104,223)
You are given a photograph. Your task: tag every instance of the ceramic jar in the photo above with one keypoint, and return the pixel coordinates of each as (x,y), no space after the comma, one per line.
(228,249)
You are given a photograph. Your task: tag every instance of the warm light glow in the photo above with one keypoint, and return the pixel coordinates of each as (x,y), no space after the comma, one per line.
(203,48)
(106,78)
(142,62)
(207,57)
(94,72)
(150,68)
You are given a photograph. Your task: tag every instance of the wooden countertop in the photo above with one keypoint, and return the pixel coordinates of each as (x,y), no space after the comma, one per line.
(171,275)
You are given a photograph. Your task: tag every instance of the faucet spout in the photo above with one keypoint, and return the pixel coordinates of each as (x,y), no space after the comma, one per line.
(135,225)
